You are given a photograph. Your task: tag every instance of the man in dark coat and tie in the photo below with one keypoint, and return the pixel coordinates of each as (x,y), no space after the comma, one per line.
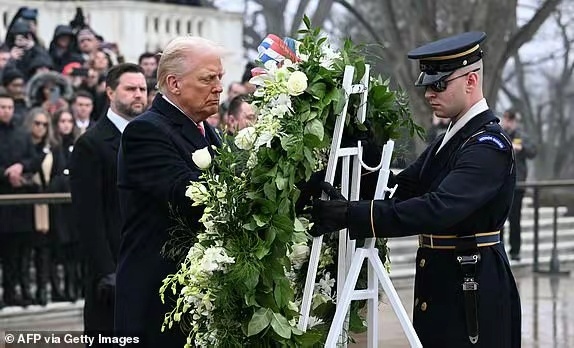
(456,196)
(154,169)
(93,171)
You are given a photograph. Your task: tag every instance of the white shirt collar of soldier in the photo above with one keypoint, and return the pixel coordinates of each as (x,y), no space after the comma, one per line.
(82,124)
(118,121)
(177,107)
(476,109)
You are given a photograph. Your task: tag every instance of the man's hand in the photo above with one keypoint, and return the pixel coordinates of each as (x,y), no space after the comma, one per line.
(329,216)
(106,289)
(14,174)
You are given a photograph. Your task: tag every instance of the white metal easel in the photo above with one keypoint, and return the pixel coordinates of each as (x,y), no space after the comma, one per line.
(349,259)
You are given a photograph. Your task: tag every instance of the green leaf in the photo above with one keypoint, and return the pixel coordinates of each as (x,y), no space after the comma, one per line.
(249,299)
(280,325)
(251,278)
(340,103)
(261,220)
(270,234)
(317,90)
(307,22)
(281,182)
(283,292)
(284,227)
(262,250)
(356,322)
(310,338)
(259,322)
(265,299)
(284,206)
(315,127)
(270,190)
(332,95)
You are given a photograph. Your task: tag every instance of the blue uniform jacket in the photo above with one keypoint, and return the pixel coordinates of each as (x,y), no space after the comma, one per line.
(466,188)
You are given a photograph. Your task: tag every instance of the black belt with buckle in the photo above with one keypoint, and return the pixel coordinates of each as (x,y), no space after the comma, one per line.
(437,241)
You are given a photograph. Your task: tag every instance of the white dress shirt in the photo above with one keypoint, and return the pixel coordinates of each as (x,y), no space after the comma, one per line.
(117,120)
(476,109)
(82,124)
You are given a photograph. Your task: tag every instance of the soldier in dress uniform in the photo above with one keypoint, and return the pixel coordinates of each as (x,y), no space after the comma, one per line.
(456,196)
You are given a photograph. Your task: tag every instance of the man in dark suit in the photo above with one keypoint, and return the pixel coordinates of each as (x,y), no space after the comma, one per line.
(456,197)
(93,171)
(155,167)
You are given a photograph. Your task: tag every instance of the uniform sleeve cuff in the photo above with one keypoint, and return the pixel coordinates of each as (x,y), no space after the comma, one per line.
(360,220)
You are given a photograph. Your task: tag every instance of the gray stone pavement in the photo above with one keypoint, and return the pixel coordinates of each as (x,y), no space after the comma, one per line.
(547,309)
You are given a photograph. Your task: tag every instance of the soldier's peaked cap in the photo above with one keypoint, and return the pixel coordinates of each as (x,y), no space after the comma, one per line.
(439,59)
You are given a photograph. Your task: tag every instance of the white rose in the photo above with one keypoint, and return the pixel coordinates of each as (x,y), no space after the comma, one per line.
(201,158)
(297,83)
(299,254)
(245,138)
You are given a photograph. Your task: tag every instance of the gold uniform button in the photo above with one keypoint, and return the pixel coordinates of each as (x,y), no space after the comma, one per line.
(416,301)
(422,263)
(424,306)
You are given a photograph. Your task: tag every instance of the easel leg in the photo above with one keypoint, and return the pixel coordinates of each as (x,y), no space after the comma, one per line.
(345,298)
(394,299)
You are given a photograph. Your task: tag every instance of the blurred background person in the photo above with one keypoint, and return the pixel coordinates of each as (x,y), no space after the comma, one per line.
(17,165)
(38,125)
(64,239)
(239,115)
(524,149)
(233,90)
(62,48)
(148,62)
(50,90)
(82,106)
(13,82)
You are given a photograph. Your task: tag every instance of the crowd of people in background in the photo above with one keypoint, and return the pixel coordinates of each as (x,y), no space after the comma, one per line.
(50,94)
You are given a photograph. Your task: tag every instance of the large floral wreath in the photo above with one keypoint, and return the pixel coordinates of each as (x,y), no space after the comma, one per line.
(240,281)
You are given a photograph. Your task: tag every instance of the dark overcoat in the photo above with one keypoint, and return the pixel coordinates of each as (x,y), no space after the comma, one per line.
(93,179)
(16,147)
(465,189)
(154,169)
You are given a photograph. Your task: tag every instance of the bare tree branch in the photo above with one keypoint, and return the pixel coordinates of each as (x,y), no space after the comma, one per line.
(322,11)
(298,18)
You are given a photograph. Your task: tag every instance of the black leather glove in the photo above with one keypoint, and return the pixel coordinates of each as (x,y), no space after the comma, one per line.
(329,216)
(106,289)
(309,190)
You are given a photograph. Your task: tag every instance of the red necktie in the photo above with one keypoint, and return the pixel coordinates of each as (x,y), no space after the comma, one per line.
(201,129)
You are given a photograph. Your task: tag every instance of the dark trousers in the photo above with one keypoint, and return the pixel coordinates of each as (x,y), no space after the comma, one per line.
(514,221)
(16,251)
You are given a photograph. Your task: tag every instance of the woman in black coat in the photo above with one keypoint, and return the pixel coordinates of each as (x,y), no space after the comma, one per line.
(65,238)
(38,125)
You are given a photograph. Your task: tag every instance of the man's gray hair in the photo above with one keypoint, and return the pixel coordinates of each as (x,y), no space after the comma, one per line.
(175,60)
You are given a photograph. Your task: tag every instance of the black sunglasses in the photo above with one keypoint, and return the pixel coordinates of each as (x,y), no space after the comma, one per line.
(38,123)
(441,85)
